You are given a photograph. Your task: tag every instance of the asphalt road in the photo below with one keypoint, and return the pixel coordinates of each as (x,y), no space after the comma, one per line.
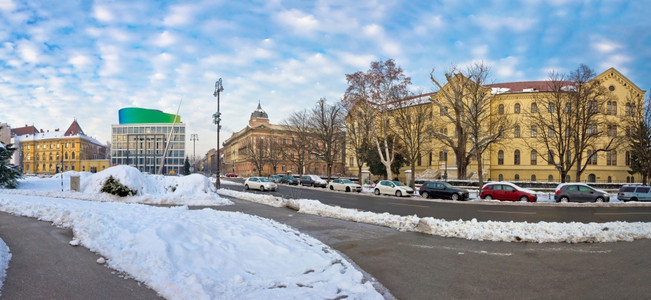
(480,210)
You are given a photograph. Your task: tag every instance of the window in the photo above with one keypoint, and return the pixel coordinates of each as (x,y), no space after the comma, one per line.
(568,108)
(611,158)
(592,107)
(629,109)
(517,178)
(516,157)
(551,107)
(430,158)
(500,109)
(568,157)
(592,178)
(500,157)
(534,107)
(612,130)
(592,160)
(500,177)
(516,109)
(611,108)
(627,131)
(533,177)
(534,157)
(500,131)
(516,131)
(444,111)
(628,158)
(550,131)
(592,129)
(550,178)
(534,131)
(419,160)
(610,179)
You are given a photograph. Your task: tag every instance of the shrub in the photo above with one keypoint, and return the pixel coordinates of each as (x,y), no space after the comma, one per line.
(114,187)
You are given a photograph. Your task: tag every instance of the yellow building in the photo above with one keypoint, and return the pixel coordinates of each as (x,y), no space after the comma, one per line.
(50,152)
(279,156)
(519,155)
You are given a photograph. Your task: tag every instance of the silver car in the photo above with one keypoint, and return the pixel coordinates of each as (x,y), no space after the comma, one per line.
(260,183)
(579,192)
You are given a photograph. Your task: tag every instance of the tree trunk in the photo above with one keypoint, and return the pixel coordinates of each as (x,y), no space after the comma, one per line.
(480,170)
(412,181)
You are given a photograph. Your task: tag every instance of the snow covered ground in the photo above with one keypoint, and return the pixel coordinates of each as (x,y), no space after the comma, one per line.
(182,253)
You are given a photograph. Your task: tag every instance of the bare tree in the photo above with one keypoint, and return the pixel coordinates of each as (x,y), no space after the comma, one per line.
(568,117)
(359,121)
(639,135)
(412,117)
(296,150)
(464,101)
(327,122)
(382,85)
(255,150)
(274,154)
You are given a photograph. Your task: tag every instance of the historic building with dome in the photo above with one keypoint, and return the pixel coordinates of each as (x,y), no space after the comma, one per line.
(268,147)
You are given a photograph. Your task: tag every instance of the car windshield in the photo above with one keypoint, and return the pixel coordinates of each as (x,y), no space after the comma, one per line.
(264,179)
(396,183)
(346,181)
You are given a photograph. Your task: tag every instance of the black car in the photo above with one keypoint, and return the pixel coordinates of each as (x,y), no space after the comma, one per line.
(291,180)
(442,190)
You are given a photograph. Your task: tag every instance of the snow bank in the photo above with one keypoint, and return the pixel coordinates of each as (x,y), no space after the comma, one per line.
(194,189)
(202,254)
(5,257)
(541,232)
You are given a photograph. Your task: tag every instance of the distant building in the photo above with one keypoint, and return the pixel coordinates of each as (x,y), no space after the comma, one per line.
(5,133)
(50,152)
(142,137)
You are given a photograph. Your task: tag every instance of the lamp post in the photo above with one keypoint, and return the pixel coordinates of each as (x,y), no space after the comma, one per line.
(445,154)
(216,119)
(194,138)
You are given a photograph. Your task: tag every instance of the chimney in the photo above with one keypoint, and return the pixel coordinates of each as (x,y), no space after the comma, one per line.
(41,130)
(56,130)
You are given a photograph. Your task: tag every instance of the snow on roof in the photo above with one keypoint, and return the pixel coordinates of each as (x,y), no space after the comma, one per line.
(524,86)
(52,135)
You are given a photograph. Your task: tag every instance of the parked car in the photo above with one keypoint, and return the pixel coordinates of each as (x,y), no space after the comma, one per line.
(507,191)
(579,192)
(291,180)
(230,175)
(313,180)
(634,193)
(388,187)
(442,190)
(274,178)
(344,185)
(260,183)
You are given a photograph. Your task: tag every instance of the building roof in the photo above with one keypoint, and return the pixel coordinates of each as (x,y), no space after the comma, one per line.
(524,86)
(74,130)
(259,113)
(24,130)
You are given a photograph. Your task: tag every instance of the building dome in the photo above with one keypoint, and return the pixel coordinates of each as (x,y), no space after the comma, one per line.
(258,116)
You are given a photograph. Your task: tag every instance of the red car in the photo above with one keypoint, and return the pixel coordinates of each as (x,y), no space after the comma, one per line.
(507,191)
(231,175)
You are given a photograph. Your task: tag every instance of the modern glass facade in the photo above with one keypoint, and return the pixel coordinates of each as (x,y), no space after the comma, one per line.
(142,146)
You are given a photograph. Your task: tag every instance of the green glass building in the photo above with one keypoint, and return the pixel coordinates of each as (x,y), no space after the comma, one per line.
(141,137)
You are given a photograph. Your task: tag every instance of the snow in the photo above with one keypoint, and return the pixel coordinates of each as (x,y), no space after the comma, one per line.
(183,253)
(5,257)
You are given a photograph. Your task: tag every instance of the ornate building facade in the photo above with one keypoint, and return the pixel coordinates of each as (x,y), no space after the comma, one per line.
(50,152)
(268,147)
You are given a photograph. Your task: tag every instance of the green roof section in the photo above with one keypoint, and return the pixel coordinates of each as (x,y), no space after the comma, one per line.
(137,115)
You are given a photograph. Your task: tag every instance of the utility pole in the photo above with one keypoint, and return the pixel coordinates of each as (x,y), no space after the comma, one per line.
(194,138)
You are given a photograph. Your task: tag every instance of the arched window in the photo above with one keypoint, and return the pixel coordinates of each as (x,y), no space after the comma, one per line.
(500,109)
(632,178)
(73,155)
(592,178)
(517,177)
(533,177)
(500,157)
(628,179)
(534,107)
(628,158)
(500,177)
(611,158)
(592,160)
(610,179)
(550,178)
(534,131)
(534,157)
(551,107)
(516,131)
(516,157)
(516,109)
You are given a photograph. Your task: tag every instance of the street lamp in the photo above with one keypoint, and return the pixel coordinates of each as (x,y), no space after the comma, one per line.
(445,154)
(194,138)
(216,119)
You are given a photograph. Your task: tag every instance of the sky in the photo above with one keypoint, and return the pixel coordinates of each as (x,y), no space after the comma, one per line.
(61,60)
(166,248)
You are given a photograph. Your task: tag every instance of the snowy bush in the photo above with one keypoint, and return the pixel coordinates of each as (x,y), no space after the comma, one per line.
(114,187)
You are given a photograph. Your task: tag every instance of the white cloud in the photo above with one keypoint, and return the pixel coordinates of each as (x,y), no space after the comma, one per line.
(80,61)
(301,22)
(606,46)
(496,23)
(28,51)
(361,62)
(180,15)
(376,33)
(165,39)
(102,13)
(7,5)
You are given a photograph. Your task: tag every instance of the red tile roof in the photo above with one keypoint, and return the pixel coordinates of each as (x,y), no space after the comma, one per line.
(27,130)
(74,129)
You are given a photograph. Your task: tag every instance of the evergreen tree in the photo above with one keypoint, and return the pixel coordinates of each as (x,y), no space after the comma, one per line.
(186,166)
(9,173)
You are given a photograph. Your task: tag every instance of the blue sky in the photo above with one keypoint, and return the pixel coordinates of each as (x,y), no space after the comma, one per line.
(61,60)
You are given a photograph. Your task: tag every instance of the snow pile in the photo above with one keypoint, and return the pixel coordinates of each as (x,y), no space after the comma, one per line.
(194,189)
(5,257)
(541,232)
(202,254)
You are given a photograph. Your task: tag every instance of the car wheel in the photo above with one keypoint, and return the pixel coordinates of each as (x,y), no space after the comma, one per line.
(488,197)
(331,188)
(347,189)
(455,197)
(524,199)
(399,193)
(377,192)
(425,195)
(599,200)
(262,188)
(632,199)
(564,200)
(246,187)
